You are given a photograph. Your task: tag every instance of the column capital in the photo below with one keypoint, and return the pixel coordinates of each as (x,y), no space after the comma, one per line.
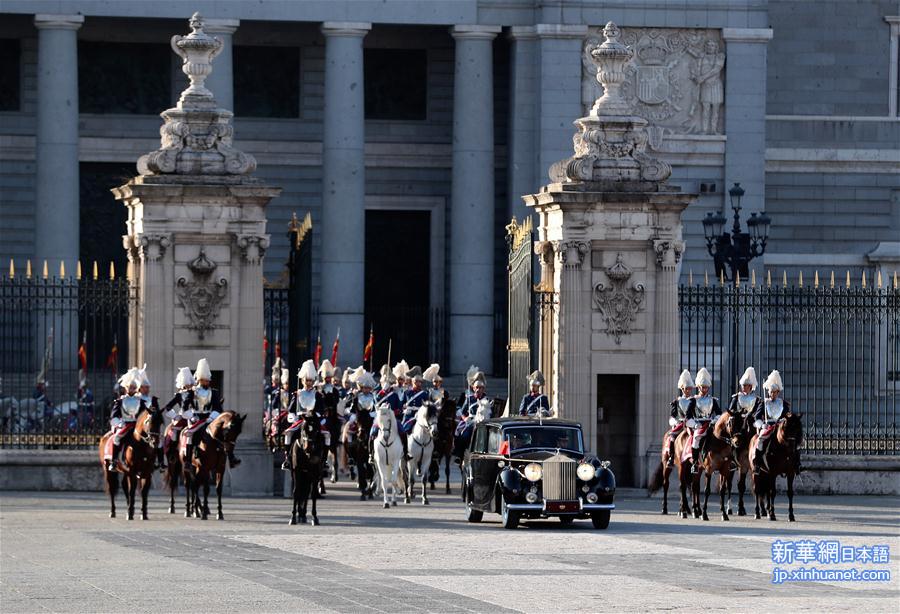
(44,21)
(894,21)
(345,28)
(560,30)
(747,35)
(522,33)
(220,26)
(475,32)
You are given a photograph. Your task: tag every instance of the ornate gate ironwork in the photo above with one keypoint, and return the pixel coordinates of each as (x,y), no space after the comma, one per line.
(519,238)
(837,348)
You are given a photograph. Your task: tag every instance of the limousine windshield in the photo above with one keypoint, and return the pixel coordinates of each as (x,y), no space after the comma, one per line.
(527,437)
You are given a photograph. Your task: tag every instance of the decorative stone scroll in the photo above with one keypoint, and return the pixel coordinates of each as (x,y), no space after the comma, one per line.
(197,136)
(619,302)
(201,297)
(676,80)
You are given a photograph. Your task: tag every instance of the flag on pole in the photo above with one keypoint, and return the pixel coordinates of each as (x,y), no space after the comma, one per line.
(370,345)
(82,352)
(277,346)
(113,360)
(334,348)
(318,354)
(265,344)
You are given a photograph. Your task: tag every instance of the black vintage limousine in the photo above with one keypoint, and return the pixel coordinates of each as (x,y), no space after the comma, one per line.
(529,468)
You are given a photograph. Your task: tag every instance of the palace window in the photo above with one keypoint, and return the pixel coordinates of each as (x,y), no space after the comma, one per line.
(129,78)
(266,81)
(10,81)
(396,83)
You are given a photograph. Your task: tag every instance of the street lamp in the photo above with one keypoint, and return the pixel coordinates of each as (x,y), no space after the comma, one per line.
(735,249)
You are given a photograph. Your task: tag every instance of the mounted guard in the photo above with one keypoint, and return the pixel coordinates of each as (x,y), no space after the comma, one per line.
(306,404)
(701,414)
(680,408)
(123,416)
(766,417)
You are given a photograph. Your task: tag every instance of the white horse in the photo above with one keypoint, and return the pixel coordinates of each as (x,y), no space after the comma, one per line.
(388,452)
(421,447)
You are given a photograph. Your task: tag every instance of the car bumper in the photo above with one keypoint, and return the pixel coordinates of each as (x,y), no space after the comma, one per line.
(540,509)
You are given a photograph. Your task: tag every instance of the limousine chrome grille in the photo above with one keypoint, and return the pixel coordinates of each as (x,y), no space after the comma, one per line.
(559,478)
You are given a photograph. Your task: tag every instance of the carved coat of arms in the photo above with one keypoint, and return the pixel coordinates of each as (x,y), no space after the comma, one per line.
(620,301)
(201,297)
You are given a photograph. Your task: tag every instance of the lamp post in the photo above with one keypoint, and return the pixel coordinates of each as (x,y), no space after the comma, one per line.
(735,249)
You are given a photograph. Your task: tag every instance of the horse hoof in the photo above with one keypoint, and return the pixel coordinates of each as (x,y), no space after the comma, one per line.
(772,517)
(705,517)
(757,517)
(145,517)
(315,521)
(742,512)
(432,487)
(112,514)
(303,520)
(204,517)
(371,496)
(791,518)
(394,503)
(387,506)
(425,502)
(292,521)
(130,516)
(684,514)
(220,516)
(187,514)
(171,509)
(334,480)
(665,512)
(362,497)
(725,517)
(447,491)
(406,501)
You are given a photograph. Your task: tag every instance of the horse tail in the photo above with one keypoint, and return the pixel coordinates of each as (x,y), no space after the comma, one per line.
(656,480)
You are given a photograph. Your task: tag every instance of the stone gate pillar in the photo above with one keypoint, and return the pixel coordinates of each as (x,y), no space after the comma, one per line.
(613,225)
(196,237)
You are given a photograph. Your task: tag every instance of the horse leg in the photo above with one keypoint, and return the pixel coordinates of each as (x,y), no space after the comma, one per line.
(314,496)
(667,471)
(308,485)
(682,485)
(219,515)
(145,492)
(706,496)
(410,483)
(172,483)
(424,485)
(447,472)
(295,498)
(132,490)
(759,495)
(334,467)
(204,507)
(112,484)
(742,487)
(790,494)
(724,482)
(771,497)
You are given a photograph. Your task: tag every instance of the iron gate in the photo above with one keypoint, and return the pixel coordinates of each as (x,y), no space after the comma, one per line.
(520,329)
(837,348)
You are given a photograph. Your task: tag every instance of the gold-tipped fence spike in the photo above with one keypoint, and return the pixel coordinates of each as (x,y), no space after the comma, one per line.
(879,279)
(78,270)
(769,279)
(96,271)
(706,278)
(864,279)
(816,280)
(12,269)
(800,281)
(62,269)
(112,270)
(722,277)
(832,280)
(895,280)
(737,278)
(691,277)
(848,278)
(45,271)
(784,279)
(753,278)
(28,269)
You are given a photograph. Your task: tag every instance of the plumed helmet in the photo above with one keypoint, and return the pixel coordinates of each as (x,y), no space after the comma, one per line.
(132,377)
(432,372)
(415,372)
(337,374)
(401,369)
(473,370)
(387,376)
(685,380)
(184,378)
(366,380)
(347,378)
(307,371)
(326,369)
(355,374)
(749,377)
(202,371)
(536,379)
(285,376)
(278,370)
(145,379)
(703,378)
(478,379)
(773,382)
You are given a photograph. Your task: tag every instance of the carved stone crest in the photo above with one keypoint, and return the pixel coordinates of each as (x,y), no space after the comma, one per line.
(620,301)
(201,297)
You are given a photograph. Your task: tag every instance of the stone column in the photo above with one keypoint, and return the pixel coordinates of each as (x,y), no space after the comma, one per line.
(745,113)
(56,199)
(559,90)
(472,206)
(221,81)
(570,395)
(343,220)
(666,353)
(523,176)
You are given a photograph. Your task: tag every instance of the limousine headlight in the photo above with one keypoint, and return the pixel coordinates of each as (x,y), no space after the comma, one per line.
(585,472)
(533,472)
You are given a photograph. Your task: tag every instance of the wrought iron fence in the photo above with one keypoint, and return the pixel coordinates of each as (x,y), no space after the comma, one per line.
(63,343)
(837,348)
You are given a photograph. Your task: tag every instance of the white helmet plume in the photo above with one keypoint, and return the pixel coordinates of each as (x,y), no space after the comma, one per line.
(703,378)
(773,382)
(184,378)
(307,371)
(202,371)
(749,377)
(685,380)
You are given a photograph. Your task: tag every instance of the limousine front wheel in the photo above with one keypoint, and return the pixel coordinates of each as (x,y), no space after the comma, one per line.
(600,519)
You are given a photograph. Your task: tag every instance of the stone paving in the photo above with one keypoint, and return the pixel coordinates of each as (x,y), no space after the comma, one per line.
(60,553)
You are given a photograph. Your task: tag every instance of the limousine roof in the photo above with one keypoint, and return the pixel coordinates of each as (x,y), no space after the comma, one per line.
(528,421)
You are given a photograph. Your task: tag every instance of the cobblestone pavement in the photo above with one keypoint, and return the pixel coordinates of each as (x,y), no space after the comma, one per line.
(59,552)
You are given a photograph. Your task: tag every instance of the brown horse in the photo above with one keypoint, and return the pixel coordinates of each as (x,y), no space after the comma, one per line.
(139,456)
(219,438)
(664,469)
(741,445)
(443,443)
(781,458)
(719,458)
(174,466)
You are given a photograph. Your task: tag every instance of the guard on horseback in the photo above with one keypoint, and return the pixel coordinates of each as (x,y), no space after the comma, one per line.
(746,401)
(471,401)
(468,412)
(152,403)
(207,407)
(766,418)
(432,374)
(465,396)
(701,415)
(123,416)
(681,407)
(390,392)
(306,404)
(176,410)
(535,403)
(415,398)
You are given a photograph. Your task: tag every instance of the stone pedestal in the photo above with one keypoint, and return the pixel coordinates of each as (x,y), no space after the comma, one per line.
(196,237)
(610,241)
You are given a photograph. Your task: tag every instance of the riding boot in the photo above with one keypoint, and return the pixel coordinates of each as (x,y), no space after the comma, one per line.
(671,460)
(695,460)
(286,465)
(111,463)
(160,459)
(233,460)
(757,461)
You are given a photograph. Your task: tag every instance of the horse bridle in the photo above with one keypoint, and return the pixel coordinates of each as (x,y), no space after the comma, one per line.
(147,435)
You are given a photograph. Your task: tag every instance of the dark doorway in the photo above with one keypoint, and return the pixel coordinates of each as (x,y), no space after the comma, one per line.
(398,265)
(617,424)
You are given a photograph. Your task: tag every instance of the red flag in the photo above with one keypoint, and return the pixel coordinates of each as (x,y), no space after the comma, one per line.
(265,344)
(370,344)
(113,360)
(318,353)
(334,348)
(277,346)
(82,353)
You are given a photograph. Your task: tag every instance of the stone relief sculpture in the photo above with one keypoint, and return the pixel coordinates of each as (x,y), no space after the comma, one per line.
(620,301)
(675,80)
(201,297)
